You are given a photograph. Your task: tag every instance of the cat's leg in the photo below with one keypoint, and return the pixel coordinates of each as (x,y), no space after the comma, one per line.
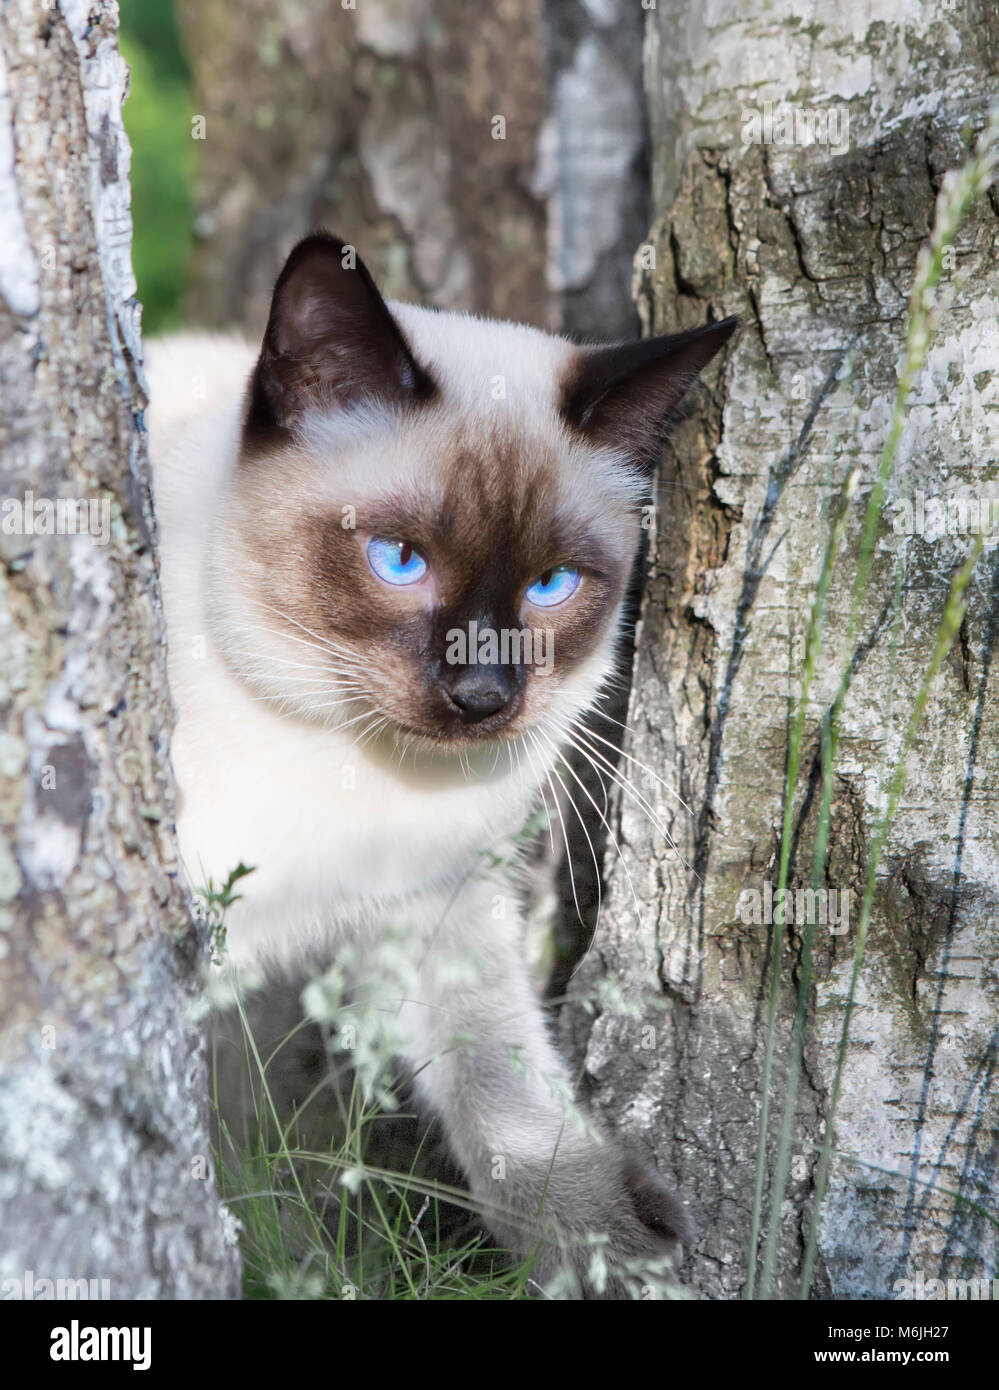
(547,1181)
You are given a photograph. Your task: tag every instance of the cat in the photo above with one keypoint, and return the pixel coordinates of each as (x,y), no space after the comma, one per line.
(354,517)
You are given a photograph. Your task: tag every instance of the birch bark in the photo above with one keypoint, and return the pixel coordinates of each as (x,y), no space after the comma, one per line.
(815,244)
(105,1167)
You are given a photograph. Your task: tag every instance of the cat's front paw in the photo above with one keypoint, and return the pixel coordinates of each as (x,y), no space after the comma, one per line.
(615,1229)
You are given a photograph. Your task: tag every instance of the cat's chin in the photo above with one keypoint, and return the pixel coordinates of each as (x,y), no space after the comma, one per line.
(456,744)
(397,741)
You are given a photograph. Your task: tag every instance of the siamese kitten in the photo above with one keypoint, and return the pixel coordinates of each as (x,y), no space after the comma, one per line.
(370,527)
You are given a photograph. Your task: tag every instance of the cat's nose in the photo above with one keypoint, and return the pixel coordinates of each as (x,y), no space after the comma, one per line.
(479,692)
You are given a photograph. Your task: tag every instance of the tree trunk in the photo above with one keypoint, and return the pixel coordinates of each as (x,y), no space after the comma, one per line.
(407,130)
(815,245)
(105,1167)
(496,167)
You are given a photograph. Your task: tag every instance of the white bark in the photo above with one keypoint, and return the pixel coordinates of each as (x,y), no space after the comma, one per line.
(816,248)
(105,1169)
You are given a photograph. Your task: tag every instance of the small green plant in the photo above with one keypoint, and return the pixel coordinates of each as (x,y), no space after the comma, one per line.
(216,902)
(325,1218)
(339,1194)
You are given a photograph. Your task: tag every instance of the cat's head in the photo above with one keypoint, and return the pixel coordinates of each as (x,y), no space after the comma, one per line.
(436,515)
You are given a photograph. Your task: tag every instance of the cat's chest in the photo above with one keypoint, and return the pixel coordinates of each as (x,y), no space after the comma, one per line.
(329,831)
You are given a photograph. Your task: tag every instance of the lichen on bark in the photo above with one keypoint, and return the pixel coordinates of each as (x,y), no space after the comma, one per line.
(816,248)
(105,1163)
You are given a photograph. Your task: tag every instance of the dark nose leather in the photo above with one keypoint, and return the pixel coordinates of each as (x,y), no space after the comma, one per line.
(480,691)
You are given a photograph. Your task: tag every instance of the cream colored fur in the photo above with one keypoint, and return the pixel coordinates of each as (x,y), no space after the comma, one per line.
(345,838)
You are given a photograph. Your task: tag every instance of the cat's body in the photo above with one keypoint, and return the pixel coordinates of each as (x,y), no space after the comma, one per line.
(338,832)
(323,735)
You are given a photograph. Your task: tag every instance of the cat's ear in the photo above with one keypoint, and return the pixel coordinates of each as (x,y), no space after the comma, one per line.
(623,396)
(330,340)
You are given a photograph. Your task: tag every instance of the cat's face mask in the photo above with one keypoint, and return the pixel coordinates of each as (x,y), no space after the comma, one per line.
(435,515)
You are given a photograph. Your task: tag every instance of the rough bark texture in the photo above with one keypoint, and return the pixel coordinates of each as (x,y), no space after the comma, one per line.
(105,1169)
(816,248)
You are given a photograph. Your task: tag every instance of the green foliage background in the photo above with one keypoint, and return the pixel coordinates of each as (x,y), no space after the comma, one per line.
(158,121)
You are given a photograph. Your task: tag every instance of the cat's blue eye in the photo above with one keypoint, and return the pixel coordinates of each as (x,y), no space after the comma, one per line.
(397,562)
(554,586)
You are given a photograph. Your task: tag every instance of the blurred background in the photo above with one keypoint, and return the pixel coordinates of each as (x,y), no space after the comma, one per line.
(498,166)
(158,120)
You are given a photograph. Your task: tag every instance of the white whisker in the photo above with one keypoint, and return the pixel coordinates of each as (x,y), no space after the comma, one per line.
(610,832)
(592,733)
(627,787)
(565,835)
(540,787)
(319,637)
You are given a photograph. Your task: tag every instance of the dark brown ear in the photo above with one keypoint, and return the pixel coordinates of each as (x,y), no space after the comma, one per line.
(623,396)
(330,340)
